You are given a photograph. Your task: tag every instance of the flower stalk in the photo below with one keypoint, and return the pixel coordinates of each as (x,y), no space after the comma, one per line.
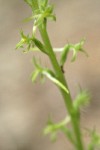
(61,78)
(41,13)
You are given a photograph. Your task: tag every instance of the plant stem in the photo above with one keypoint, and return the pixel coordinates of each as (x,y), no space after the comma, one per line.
(61,78)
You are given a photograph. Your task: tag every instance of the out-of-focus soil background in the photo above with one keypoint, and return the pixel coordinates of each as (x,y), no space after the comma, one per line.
(24,107)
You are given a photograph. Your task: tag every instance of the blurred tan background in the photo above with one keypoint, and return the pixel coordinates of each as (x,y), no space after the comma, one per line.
(24,108)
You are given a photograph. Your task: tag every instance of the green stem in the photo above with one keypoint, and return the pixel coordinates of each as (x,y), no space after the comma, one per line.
(61,78)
